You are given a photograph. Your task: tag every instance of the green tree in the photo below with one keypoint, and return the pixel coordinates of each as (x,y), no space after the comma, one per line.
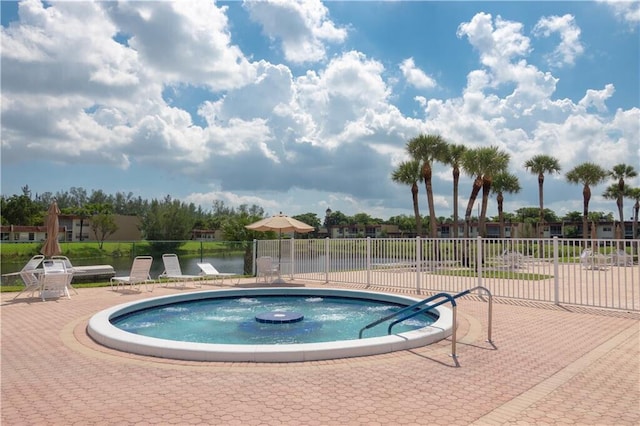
(167,223)
(483,163)
(427,149)
(234,229)
(634,194)
(310,219)
(539,165)
(453,156)
(21,210)
(504,182)
(587,174)
(409,173)
(103,224)
(620,172)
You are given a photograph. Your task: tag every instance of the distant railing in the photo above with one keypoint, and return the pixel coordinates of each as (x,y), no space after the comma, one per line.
(598,273)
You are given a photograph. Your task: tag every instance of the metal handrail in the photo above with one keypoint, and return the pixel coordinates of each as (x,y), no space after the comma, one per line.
(448,298)
(401,311)
(462,293)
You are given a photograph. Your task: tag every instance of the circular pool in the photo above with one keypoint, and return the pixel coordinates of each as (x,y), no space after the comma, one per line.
(102,327)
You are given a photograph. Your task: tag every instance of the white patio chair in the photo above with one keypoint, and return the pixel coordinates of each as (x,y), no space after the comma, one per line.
(139,274)
(29,276)
(68,267)
(173,272)
(209,271)
(265,268)
(622,258)
(55,281)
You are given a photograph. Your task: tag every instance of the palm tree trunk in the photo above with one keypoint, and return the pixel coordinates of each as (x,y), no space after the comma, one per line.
(586,197)
(541,198)
(477,184)
(486,189)
(416,209)
(426,172)
(456,180)
(500,200)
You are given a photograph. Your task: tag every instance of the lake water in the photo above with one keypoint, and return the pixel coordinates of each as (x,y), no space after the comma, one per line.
(122,265)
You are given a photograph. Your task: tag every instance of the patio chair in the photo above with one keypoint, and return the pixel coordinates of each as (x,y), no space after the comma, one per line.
(173,272)
(56,280)
(139,274)
(511,260)
(209,271)
(622,258)
(68,267)
(265,268)
(29,276)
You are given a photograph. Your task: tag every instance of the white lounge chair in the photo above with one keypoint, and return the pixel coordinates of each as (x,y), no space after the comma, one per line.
(173,272)
(29,276)
(209,271)
(622,258)
(139,274)
(56,280)
(590,260)
(265,268)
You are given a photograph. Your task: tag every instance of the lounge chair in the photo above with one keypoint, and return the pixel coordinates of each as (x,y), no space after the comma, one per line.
(139,274)
(56,280)
(590,260)
(209,271)
(173,272)
(622,258)
(265,268)
(29,276)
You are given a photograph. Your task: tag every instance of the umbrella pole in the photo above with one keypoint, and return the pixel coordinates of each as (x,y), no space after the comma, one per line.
(279,280)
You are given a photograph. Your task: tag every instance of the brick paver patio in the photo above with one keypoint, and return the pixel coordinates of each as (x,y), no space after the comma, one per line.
(548,365)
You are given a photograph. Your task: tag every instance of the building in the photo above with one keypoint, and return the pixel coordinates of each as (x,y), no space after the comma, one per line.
(74,228)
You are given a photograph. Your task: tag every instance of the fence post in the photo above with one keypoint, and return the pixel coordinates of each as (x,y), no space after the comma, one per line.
(255,257)
(479,259)
(368,261)
(326,260)
(201,252)
(418,264)
(556,264)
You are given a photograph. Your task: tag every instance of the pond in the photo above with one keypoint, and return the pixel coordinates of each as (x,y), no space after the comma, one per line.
(122,265)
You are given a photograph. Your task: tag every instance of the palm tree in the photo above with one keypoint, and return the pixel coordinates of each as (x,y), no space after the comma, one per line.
(634,194)
(539,165)
(504,182)
(484,163)
(427,148)
(409,173)
(453,157)
(620,172)
(587,174)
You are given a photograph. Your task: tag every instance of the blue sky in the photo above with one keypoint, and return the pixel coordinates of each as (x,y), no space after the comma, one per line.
(299,106)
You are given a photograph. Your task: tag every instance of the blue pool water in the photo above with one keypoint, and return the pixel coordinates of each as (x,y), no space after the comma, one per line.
(233,320)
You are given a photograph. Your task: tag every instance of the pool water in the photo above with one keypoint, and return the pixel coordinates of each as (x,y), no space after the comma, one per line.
(232,320)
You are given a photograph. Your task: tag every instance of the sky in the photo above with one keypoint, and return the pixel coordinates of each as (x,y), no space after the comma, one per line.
(300,106)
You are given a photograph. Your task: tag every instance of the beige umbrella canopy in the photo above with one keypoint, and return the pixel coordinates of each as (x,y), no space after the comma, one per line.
(51,246)
(281,223)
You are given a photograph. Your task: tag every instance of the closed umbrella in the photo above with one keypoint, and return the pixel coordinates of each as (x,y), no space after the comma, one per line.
(281,223)
(51,246)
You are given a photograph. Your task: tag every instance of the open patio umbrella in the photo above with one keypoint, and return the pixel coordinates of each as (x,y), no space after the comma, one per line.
(281,223)
(51,246)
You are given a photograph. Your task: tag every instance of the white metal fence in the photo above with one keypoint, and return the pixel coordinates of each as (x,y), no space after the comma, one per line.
(599,273)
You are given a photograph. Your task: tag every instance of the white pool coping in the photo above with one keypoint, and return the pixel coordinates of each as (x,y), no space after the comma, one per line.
(103,332)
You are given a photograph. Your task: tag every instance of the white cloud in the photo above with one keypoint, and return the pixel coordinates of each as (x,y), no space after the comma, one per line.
(415,76)
(570,46)
(302,26)
(627,10)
